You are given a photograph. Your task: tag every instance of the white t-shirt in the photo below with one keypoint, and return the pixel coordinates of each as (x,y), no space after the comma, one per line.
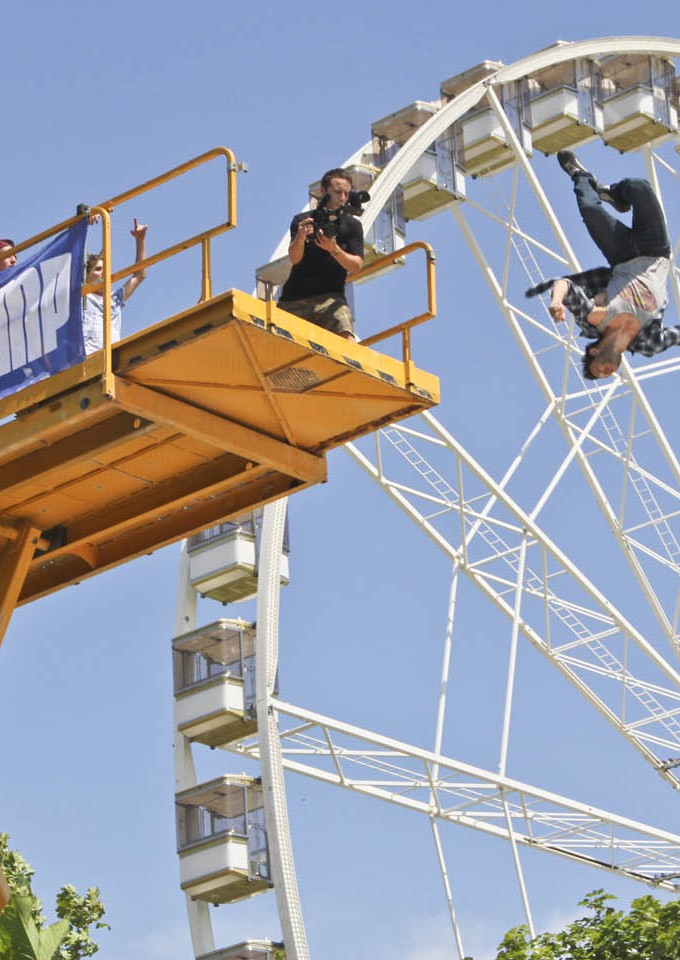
(640,287)
(93,319)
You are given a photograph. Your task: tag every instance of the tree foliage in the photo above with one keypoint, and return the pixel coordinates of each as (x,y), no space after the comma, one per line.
(24,934)
(22,939)
(649,931)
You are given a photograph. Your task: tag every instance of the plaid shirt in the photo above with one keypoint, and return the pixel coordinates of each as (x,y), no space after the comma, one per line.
(592,281)
(579,304)
(652,339)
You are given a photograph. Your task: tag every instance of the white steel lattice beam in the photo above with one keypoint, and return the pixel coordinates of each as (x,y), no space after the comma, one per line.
(561,612)
(615,419)
(450,791)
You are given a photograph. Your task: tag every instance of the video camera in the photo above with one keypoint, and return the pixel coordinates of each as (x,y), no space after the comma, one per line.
(326,221)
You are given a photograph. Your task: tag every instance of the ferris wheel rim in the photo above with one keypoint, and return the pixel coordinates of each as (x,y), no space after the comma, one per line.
(561,52)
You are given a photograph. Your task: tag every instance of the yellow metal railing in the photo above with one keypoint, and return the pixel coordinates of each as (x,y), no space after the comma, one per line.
(104,210)
(203,238)
(101,362)
(406,326)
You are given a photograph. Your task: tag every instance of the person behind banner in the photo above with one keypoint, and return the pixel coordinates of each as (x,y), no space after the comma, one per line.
(93,303)
(40,311)
(11,260)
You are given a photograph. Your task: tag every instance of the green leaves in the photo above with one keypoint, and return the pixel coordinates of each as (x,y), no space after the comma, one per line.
(23,933)
(650,931)
(22,939)
(81,913)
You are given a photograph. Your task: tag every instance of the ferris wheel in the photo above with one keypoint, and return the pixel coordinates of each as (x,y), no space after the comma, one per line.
(563,531)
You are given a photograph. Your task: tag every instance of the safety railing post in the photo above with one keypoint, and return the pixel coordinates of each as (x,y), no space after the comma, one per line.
(206,278)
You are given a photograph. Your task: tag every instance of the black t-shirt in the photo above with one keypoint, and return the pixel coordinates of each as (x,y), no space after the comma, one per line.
(318,271)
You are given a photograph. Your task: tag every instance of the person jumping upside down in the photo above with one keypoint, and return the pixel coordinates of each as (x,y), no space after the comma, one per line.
(620,307)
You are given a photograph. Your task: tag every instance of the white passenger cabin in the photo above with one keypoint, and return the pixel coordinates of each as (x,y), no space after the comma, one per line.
(271,276)
(565,105)
(224,560)
(436,179)
(639,100)
(248,950)
(486,148)
(222,840)
(214,678)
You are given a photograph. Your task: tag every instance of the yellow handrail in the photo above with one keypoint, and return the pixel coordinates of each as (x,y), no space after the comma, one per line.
(204,237)
(229,224)
(105,209)
(405,327)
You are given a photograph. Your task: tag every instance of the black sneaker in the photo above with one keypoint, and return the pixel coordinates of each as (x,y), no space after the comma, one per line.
(572,165)
(608,194)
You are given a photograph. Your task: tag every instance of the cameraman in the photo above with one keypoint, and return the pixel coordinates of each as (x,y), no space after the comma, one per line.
(323,254)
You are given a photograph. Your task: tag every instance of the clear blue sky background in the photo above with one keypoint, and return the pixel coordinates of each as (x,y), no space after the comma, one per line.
(96,99)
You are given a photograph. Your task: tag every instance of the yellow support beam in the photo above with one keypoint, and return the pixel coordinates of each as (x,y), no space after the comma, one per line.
(14,563)
(219,431)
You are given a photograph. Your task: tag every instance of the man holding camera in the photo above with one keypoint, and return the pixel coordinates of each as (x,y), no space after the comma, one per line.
(324,249)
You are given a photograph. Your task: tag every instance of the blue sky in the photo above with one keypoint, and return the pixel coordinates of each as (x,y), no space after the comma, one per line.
(98,99)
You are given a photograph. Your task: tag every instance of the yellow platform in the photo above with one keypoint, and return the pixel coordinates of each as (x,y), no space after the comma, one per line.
(222,408)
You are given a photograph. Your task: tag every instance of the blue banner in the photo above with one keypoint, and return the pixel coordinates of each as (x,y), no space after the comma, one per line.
(41,312)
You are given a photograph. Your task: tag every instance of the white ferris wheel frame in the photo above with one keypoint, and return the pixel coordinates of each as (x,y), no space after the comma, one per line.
(518,566)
